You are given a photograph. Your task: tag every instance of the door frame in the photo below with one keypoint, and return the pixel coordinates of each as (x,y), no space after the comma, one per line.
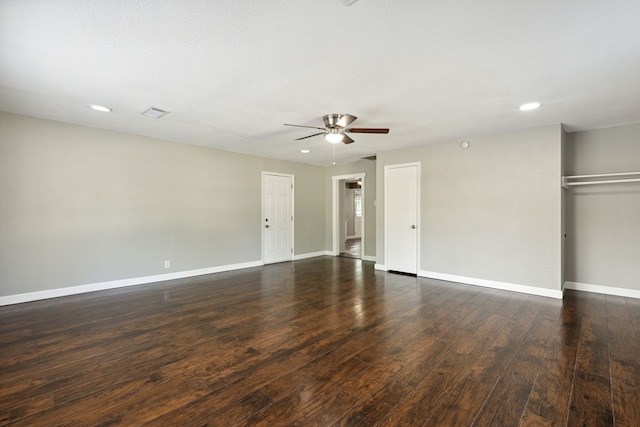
(386,216)
(335,234)
(262,212)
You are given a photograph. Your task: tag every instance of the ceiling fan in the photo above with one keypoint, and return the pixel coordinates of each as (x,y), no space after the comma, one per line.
(335,128)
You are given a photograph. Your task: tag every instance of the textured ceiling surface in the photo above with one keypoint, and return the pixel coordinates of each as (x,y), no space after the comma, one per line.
(233,72)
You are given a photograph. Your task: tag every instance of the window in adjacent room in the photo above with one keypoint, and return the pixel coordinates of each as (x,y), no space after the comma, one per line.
(357,199)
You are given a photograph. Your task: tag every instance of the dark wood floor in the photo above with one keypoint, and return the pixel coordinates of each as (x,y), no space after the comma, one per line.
(353,248)
(322,341)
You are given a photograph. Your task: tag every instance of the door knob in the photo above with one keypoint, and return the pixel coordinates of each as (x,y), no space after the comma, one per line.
(413,226)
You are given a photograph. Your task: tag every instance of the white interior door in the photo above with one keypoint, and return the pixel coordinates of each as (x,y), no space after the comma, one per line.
(401,218)
(277,218)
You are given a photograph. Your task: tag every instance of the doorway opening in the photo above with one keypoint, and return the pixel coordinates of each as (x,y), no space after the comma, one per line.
(353,211)
(348,215)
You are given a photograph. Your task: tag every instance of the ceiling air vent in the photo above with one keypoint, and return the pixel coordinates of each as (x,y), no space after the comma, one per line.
(369,158)
(156,113)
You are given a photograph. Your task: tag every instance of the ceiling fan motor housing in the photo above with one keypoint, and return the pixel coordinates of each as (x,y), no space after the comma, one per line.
(332,121)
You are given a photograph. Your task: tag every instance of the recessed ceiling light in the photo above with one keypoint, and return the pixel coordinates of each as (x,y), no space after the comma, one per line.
(530,106)
(305,151)
(101,108)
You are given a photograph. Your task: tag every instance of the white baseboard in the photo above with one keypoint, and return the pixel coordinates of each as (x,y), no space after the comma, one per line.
(599,289)
(552,293)
(368,258)
(311,255)
(380,267)
(113,284)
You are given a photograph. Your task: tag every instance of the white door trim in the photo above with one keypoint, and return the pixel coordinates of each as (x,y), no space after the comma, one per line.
(335,235)
(418,203)
(262,212)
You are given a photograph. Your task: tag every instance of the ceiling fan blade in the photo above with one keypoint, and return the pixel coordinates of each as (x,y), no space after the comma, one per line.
(345,120)
(346,139)
(305,137)
(367,130)
(309,127)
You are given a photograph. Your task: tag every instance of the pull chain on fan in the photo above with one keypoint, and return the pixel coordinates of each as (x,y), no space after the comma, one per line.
(334,154)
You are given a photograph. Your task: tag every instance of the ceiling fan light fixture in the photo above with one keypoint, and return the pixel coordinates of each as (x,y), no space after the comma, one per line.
(334,136)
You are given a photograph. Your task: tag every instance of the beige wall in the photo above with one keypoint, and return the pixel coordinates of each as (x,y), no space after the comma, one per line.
(490,212)
(81,206)
(603,233)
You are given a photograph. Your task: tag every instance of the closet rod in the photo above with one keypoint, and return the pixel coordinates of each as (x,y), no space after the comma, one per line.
(609,181)
(602,175)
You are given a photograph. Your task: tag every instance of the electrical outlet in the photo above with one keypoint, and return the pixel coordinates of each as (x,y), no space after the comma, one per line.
(167,264)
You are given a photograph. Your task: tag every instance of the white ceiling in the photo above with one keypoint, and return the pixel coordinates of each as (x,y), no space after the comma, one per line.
(232,72)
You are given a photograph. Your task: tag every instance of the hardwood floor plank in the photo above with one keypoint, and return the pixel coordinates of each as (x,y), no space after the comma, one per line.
(256,373)
(325,410)
(319,376)
(232,401)
(551,395)
(593,351)
(591,402)
(429,393)
(517,379)
(462,404)
(535,420)
(624,342)
(320,341)
(376,406)
(391,352)
(110,405)
(633,307)
(233,414)
(454,341)
(492,334)
(71,381)
(24,409)
(626,402)
(304,409)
